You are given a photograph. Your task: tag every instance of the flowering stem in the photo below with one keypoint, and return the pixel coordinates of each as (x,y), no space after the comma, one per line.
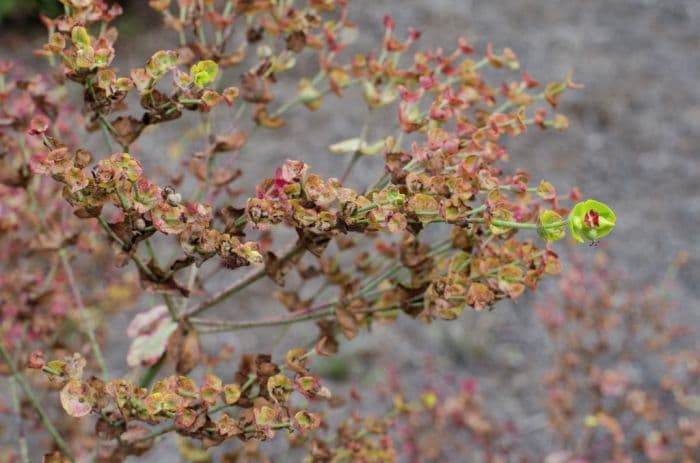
(50,428)
(521,226)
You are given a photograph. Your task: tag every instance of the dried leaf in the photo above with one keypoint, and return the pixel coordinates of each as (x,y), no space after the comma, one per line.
(126,129)
(190,353)
(231,142)
(347,322)
(264,119)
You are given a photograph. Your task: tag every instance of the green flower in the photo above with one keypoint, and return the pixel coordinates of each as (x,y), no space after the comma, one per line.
(204,72)
(591,220)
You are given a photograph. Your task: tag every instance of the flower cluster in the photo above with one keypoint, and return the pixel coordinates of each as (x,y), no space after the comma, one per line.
(146,207)
(126,410)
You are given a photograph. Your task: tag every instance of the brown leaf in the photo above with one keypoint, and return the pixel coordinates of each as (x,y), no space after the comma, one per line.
(296,360)
(82,158)
(296,41)
(327,344)
(231,142)
(123,230)
(291,300)
(277,269)
(232,58)
(394,163)
(126,129)
(88,212)
(264,119)
(346,321)
(198,167)
(255,89)
(160,284)
(190,353)
(315,244)
(160,108)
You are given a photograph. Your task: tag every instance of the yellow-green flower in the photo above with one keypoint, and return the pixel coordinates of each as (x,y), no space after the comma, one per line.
(204,72)
(591,220)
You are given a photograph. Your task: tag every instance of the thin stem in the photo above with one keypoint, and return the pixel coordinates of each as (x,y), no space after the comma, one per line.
(295,101)
(357,154)
(150,373)
(216,326)
(50,428)
(181,33)
(82,311)
(355,157)
(106,132)
(22,439)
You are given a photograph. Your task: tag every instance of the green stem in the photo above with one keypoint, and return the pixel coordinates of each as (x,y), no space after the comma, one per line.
(295,101)
(82,311)
(23,449)
(217,326)
(150,373)
(106,132)
(522,226)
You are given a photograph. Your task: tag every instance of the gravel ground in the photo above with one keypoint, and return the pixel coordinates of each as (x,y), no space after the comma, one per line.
(633,142)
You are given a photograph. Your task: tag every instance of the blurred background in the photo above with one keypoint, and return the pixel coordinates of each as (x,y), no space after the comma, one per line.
(633,141)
